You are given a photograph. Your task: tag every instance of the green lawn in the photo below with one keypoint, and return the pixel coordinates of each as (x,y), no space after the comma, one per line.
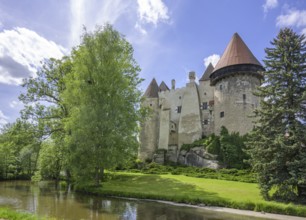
(192,190)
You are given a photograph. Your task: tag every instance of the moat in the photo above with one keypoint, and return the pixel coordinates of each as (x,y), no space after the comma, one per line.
(44,199)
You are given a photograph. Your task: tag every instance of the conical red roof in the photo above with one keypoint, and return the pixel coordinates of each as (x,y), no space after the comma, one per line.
(207,72)
(236,52)
(152,90)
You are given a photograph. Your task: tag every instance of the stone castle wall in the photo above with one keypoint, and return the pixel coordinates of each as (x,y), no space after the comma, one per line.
(234,97)
(149,135)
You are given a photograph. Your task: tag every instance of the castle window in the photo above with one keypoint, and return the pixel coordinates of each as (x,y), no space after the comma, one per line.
(205,122)
(244,97)
(204,105)
(179,109)
(180,97)
(221,114)
(220,87)
(151,104)
(204,93)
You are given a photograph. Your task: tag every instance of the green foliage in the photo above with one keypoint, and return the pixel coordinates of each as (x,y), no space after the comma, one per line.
(103,104)
(45,108)
(230,148)
(50,162)
(6,213)
(19,149)
(197,143)
(213,145)
(277,144)
(224,174)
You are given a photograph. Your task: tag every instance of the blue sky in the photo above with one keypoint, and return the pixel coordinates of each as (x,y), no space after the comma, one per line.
(170,38)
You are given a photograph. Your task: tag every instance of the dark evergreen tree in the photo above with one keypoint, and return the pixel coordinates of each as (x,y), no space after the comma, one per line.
(277,144)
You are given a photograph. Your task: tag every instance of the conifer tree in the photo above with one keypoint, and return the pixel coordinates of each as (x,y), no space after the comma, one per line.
(278,142)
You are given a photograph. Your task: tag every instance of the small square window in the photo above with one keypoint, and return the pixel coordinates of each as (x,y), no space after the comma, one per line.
(205,122)
(221,114)
(204,105)
(179,109)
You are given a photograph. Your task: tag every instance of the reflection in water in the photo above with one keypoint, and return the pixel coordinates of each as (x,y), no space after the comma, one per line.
(44,199)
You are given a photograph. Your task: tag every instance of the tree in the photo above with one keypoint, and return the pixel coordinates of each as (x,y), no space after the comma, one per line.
(42,99)
(278,143)
(51,161)
(103,102)
(44,107)
(19,149)
(232,149)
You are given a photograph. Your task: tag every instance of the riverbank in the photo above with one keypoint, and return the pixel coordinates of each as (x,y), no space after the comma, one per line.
(8,214)
(194,191)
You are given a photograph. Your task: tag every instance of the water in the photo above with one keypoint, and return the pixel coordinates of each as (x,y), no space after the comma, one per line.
(44,199)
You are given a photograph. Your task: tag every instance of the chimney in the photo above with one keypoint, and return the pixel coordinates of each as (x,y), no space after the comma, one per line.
(173,84)
(191,76)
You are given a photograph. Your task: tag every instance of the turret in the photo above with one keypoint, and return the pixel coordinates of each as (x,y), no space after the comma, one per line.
(235,77)
(150,128)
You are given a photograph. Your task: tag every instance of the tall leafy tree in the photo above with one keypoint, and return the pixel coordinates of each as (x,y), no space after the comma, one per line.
(45,108)
(42,98)
(103,102)
(278,142)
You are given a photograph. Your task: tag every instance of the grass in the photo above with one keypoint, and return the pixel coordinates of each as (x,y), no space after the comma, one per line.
(184,189)
(224,174)
(9,214)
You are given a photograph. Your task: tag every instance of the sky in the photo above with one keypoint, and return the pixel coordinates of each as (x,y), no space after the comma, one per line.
(170,38)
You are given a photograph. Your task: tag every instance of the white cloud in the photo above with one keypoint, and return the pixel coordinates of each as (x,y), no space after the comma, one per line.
(213,59)
(3,119)
(14,104)
(21,53)
(95,12)
(292,17)
(269,4)
(140,29)
(152,11)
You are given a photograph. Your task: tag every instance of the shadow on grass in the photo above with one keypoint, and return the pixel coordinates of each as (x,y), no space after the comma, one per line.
(152,186)
(156,187)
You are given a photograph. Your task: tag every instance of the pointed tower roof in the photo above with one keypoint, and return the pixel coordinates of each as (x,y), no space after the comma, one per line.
(207,72)
(152,90)
(236,58)
(236,52)
(163,87)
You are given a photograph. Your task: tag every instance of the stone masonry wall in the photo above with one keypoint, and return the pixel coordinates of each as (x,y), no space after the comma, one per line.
(234,97)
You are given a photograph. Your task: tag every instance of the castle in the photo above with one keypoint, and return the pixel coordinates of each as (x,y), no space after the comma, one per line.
(223,97)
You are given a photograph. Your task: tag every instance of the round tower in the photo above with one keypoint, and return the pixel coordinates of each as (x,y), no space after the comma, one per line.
(235,77)
(150,127)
